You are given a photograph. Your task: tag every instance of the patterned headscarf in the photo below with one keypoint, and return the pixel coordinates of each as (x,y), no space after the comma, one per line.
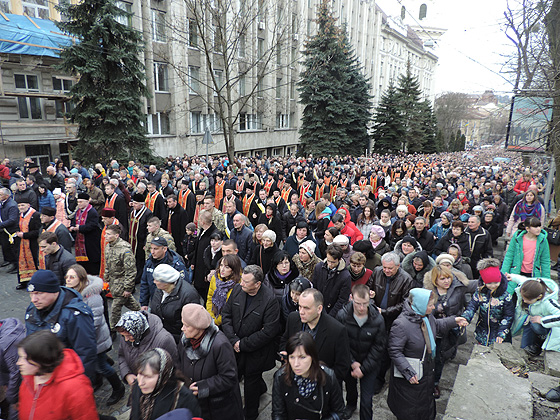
(134,323)
(147,401)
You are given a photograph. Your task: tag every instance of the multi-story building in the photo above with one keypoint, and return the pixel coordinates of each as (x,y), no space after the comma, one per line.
(185,68)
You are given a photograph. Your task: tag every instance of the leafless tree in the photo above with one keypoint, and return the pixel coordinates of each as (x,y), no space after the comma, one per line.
(450,108)
(244,49)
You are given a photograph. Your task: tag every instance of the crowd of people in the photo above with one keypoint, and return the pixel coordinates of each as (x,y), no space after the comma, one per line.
(342,270)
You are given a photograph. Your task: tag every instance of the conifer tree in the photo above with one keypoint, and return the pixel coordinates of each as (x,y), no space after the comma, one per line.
(388,126)
(429,126)
(108,96)
(334,91)
(409,94)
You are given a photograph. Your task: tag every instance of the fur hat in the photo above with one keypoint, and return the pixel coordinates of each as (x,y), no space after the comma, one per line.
(196,316)
(270,234)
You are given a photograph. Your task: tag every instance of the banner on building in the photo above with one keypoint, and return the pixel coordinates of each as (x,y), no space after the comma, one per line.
(530,123)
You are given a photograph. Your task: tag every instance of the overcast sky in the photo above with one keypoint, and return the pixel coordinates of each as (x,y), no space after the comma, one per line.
(470,51)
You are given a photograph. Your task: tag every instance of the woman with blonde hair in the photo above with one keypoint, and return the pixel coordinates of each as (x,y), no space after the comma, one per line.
(228,274)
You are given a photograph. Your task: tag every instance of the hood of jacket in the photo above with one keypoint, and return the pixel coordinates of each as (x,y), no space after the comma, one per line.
(10,330)
(94,286)
(348,310)
(341,265)
(70,367)
(407,265)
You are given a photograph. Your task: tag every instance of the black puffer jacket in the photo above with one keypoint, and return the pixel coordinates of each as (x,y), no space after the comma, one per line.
(169,311)
(367,342)
(325,403)
(335,285)
(462,240)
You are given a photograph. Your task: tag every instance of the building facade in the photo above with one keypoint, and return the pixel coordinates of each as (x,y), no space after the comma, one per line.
(200,56)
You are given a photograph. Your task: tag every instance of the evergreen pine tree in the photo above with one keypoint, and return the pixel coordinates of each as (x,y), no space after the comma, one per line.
(440,142)
(108,95)
(429,124)
(388,126)
(334,92)
(409,93)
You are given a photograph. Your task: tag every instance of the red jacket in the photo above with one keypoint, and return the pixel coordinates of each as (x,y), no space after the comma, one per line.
(4,172)
(522,186)
(67,395)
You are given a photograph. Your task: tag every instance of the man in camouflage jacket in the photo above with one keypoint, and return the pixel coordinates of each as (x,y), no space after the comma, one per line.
(155,230)
(120,271)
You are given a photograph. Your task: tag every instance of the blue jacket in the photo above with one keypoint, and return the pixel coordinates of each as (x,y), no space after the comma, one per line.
(46,200)
(72,321)
(12,332)
(244,241)
(10,216)
(439,230)
(147,286)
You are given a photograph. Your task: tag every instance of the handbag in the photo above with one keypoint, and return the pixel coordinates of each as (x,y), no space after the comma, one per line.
(553,236)
(416,364)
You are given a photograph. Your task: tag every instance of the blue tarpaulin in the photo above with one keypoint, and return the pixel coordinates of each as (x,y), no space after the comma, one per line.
(20,36)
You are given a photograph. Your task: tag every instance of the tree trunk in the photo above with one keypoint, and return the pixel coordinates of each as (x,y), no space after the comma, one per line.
(553,28)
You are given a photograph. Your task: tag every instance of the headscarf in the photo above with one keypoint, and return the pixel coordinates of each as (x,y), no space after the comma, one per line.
(135,323)
(459,260)
(147,401)
(423,255)
(420,300)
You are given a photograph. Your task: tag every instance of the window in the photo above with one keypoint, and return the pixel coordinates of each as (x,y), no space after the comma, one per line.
(260,88)
(29,107)
(5,6)
(160,77)
(194,77)
(242,88)
(423,11)
(282,120)
(292,89)
(215,38)
(219,77)
(278,88)
(36,8)
(158,123)
(279,54)
(193,34)
(196,126)
(127,18)
(294,55)
(40,153)
(260,47)
(158,26)
(62,85)
(250,122)
(241,46)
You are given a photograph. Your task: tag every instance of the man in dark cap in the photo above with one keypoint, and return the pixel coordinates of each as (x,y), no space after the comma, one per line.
(160,254)
(88,235)
(51,224)
(138,232)
(62,311)
(29,227)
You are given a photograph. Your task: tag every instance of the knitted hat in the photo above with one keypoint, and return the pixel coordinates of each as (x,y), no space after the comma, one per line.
(478,208)
(108,212)
(194,315)
(139,198)
(57,191)
(410,240)
(191,226)
(44,281)
(489,269)
(309,247)
(448,216)
(83,196)
(445,258)
(270,234)
(159,241)
(378,230)
(166,274)
(341,240)
(48,211)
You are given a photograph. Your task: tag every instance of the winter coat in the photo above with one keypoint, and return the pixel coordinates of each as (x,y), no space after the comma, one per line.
(9,216)
(335,285)
(166,401)
(274,224)
(480,244)
(368,342)
(211,262)
(189,246)
(213,367)
(287,306)
(255,327)
(400,285)
(217,317)
(72,320)
(12,332)
(93,299)
(495,313)
(425,239)
(306,269)
(244,241)
(59,263)
(200,271)
(493,229)
(364,279)
(513,259)
(263,257)
(169,310)
(439,230)
(418,276)
(400,253)
(331,339)
(547,307)
(120,267)
(162,234)
(155,336)
(92,235)
(28,194)
(274,283)
(147,286)
(67,395)
(462,240)
(325,403)
(406,339)
(46,200)
(382,248)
